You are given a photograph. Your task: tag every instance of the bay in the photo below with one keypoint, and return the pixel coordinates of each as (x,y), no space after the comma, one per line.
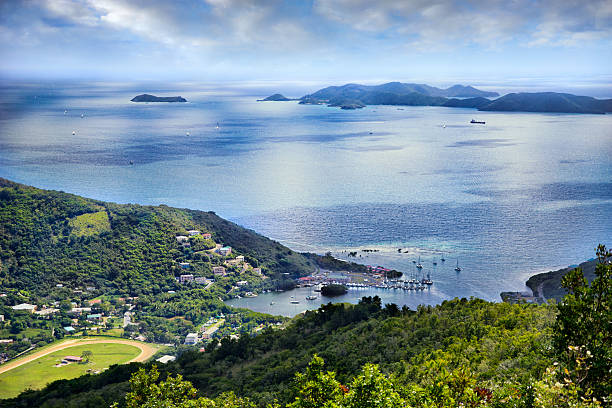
(522,194)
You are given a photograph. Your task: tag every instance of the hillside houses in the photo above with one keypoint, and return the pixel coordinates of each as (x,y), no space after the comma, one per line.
(219,271)
(224,251)
(186,278)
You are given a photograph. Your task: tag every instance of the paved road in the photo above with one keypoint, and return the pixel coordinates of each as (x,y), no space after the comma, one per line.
(146,351)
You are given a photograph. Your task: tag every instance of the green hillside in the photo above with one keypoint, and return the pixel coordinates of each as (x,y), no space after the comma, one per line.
(49,238)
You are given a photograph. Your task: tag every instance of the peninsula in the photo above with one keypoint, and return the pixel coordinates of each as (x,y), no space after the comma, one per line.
(153,98)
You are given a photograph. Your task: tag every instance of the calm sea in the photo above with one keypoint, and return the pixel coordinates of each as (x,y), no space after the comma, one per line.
(522,194)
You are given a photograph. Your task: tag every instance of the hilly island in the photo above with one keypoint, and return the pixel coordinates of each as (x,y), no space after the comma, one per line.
(355,96)
(80,270)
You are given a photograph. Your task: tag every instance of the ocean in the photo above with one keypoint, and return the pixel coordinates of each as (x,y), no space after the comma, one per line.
(522,194)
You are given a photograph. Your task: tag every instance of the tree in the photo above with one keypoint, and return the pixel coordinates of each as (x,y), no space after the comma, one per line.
(146,391)
(316,387)
(583,335)
(86,355)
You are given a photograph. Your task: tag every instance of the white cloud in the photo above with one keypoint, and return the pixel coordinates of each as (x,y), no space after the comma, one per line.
(489,23)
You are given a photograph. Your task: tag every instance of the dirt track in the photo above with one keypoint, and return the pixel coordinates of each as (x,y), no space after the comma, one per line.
(146,351)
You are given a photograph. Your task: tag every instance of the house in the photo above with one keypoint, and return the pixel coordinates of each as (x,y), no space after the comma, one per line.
(191,338)
(257,271)
(193,233)
(94,317)
(1,318)
(94,301)
(206,236)
(242,283)
(69,329)
(186,278)
(90,288)
(6,341)
(25,306)
(240,258)
(166,359)
(185,265)
(224,251)
(219,270)
(202,280)
(182,238)
(46,311)
(79,310)
(59,285)
(72,359)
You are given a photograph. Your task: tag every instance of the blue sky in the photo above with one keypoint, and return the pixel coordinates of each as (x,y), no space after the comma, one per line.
(434,41)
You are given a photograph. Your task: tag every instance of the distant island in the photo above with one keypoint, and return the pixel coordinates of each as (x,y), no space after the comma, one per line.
(355,96)
(276,97)
(153,98)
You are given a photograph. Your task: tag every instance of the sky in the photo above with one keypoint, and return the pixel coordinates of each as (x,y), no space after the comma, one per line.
(433,41)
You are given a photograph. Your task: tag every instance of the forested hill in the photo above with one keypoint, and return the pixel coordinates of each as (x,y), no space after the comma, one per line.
(50,238)
(496,343)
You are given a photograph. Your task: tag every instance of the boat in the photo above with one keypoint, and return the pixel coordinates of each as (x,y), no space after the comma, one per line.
(73,133)
(435,263)
(311,297)
(187,134)
(442,259)
(217,125)
(474,121)
(458,268)
(294,302)
(271,303)
(418,265)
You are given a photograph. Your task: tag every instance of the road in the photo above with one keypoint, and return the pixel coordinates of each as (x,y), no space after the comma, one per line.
(146,351)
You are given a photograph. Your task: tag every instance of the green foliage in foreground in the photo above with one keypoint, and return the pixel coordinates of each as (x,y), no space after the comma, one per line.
(496,342)
(318,388)
(461,353)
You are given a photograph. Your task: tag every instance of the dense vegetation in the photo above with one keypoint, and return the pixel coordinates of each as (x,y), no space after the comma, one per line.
(461,353)
(333,290)
(49,238)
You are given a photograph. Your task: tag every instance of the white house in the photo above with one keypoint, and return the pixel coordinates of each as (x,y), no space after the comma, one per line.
(182,238)
(191,338)
(166,359)
(186,278)
(25,306)
(193,233)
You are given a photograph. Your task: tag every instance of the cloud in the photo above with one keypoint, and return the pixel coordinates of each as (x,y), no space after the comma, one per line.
(493,22)
(198,23)
(363,38)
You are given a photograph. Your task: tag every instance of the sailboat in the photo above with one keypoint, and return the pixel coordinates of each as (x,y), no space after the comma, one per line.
(418,265)
(217,125)
(458,268)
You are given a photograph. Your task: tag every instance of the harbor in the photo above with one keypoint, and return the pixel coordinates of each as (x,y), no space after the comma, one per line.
(414,287)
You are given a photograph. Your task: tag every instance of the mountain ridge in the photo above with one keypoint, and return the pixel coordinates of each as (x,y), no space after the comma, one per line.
(354,96)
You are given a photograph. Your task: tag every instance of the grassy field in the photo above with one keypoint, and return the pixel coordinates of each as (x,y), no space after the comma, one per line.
(90,224)
(36,374)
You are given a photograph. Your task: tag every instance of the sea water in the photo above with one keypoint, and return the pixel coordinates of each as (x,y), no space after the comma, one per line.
(524,193)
